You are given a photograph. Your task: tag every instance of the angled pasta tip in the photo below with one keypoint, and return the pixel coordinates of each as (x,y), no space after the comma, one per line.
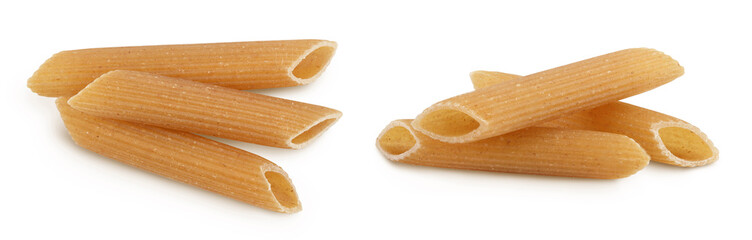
(640,156)
(683,144)
(481,79)
(671,67)
(283,191)
(76,99)
(304,137)
(397,140)
(313,62)
(447,124)
(40,84)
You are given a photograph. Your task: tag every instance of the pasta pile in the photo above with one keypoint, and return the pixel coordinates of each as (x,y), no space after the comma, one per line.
(143,106)
(566,121)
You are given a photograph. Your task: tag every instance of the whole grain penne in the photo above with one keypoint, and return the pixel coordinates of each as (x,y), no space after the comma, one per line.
(529,100)
(195,107)
(665,138)
(541,151)
(482,79)
(239,65)
(186,158)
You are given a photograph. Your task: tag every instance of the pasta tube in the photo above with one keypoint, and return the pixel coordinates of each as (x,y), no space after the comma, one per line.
(239,65)
(665,138)
(186,158)
(529,100)
(195,107)
(542,151)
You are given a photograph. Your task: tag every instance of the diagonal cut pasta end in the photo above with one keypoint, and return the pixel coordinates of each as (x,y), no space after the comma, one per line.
(448,123)
(316,128)
(40,84)
(482,79)
(312,63)
(281,187)
(397,140)
(683,144)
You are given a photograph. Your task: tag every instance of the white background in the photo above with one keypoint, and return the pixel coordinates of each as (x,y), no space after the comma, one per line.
(394,59)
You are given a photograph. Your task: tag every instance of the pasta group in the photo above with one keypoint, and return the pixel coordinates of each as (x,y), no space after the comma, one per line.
(532,99)
(665,138)
(204,109)
(239,65)
(186,158)
(542,151)
(566,121)
(143,105)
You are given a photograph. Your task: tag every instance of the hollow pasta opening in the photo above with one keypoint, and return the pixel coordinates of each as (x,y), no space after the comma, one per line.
(397,140)
(448,122)
(282,189)
(313,131)
(685,144)
(313,63)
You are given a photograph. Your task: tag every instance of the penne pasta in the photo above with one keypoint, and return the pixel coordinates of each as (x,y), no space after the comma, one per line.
(541,151)
(195,107)
(665,138)
(186,158)
(482,79)
(239,65)
(536,98)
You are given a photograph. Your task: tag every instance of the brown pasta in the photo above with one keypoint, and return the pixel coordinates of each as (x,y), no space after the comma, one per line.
(536,98)
(666,139)
(195,107)
(482,79)
(185,158)
(239,65)
(541,151)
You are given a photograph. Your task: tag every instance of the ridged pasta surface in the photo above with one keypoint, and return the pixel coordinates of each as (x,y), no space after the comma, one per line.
(185,158)
(239,65)
(541,151)
(529,100)
(203,108)
(666,138)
